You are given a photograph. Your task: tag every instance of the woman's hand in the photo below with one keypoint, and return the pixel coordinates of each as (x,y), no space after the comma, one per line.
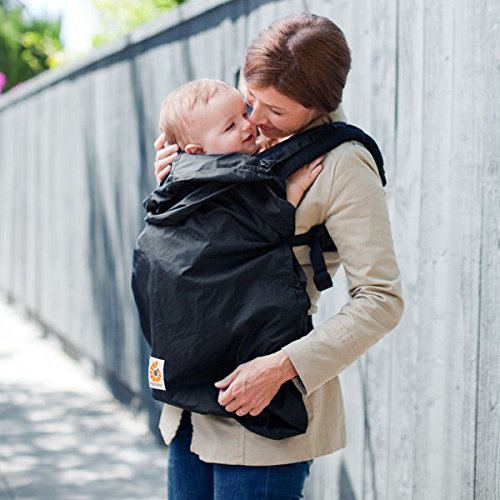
(252,386)
(302,179)
(165,155)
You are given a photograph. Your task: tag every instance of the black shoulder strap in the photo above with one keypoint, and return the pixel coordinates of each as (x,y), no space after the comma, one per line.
(300,149)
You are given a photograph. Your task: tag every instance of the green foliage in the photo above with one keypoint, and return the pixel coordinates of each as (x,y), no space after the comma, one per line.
(118,17)
(27,46)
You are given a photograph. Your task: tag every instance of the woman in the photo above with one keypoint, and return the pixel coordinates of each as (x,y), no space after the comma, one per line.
(295,72)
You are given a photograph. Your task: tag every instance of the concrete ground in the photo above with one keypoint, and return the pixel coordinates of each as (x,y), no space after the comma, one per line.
(62,435)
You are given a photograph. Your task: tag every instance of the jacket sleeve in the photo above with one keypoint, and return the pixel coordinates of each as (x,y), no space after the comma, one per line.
(357,219)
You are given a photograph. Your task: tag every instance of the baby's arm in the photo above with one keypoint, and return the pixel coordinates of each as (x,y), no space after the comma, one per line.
(301,180)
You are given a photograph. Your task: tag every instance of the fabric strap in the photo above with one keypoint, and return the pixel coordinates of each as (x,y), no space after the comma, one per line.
(290,155)
(302,148)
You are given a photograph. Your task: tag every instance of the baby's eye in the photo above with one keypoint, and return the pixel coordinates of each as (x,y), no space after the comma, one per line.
(277,113)
(229,127)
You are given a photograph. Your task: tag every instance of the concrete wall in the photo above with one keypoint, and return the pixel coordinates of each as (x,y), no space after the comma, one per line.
(76,159)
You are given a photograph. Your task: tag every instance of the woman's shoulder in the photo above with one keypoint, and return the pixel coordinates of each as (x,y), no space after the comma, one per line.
(348,170)
(350,159)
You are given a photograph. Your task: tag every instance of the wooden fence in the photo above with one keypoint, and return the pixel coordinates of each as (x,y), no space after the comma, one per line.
(423,407)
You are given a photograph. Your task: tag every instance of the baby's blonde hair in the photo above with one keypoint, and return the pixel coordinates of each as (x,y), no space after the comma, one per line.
(176,112)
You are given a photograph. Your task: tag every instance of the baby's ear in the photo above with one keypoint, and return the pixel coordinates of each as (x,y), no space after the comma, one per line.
(194,149)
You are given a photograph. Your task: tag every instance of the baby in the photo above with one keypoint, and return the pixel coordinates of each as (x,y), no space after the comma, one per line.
(210,117)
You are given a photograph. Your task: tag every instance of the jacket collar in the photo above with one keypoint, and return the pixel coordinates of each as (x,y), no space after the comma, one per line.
(335,116)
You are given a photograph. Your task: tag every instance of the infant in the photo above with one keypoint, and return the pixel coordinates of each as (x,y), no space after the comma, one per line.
(210,117)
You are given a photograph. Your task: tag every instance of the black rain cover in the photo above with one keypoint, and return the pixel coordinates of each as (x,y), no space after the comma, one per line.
(216,284)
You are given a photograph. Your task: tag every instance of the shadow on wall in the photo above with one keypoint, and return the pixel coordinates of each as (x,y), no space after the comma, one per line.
(111,293)
(346,491)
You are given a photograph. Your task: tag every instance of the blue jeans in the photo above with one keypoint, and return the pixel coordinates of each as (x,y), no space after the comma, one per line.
(189,478)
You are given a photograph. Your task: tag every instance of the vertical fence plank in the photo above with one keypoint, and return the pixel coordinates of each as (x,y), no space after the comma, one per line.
(377,367)
(437,456)
(8,172)
(484,48)
(405,203)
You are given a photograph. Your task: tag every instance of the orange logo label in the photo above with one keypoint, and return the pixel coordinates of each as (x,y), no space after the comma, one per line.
(155,372)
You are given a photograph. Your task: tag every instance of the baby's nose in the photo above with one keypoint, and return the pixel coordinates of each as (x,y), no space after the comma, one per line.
(247,125)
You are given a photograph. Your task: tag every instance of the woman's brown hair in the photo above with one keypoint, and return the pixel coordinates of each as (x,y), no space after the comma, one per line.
(303,56)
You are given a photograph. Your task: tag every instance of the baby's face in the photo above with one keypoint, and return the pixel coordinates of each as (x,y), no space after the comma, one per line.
(223,126)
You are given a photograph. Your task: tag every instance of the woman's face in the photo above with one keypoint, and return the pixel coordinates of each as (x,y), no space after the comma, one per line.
(277,115)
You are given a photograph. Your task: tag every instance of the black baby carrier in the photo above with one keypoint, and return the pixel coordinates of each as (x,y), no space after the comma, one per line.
(215,279)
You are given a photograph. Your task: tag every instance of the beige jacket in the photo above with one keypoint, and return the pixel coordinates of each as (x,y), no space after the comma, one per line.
(349,198)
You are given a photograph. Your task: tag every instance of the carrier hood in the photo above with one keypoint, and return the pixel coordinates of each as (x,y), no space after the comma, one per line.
(196,179)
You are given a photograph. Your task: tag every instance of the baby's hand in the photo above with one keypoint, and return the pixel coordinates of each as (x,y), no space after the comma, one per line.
(165,155)
(301,180)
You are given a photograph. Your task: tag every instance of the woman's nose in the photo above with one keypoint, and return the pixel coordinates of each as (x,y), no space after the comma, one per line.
(256,116)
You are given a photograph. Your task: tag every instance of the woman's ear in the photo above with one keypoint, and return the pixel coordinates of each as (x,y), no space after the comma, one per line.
(194,149)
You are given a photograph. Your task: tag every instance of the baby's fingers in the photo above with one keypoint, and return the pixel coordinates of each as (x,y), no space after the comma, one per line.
(163,167)
(315,163)
(160,142)
(315,171)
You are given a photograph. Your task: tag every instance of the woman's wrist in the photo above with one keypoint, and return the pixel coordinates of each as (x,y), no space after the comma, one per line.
(285,366)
